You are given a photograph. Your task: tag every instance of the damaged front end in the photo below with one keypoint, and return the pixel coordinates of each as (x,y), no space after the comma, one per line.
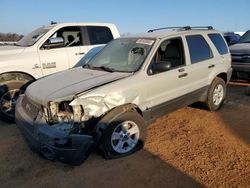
(63,130)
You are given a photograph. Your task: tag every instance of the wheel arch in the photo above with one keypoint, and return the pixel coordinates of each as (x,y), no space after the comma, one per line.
(223,76)
(16,75)
(118,110)
(113,113)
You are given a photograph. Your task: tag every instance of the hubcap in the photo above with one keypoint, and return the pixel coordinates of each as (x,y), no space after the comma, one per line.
(218,94)
(8,102)
(125,137)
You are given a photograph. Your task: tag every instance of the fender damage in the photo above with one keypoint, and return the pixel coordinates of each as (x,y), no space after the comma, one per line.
(64,129)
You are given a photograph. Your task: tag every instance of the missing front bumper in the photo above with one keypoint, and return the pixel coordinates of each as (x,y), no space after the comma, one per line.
(51,143)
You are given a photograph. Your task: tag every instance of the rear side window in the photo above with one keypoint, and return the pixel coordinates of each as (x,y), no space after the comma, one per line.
(99,34)
(219,43)
(198,48)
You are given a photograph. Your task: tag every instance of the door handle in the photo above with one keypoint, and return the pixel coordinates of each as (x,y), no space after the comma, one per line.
(211,66)
(183,75)
(80,53)
(36,66)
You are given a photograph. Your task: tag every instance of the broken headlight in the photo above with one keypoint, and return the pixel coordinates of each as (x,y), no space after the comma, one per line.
(77,111)
(93,106)
(63,112)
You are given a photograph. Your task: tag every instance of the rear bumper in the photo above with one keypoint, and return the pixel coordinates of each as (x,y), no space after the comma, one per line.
(51,143)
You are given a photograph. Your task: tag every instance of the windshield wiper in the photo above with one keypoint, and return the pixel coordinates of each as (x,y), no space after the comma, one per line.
(108,69)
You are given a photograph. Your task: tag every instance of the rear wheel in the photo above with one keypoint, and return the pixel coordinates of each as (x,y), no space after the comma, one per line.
(124,135)
(9,93)
(216,94)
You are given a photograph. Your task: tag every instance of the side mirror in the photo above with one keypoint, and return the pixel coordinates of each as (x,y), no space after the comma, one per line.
(161,66)
(56,42)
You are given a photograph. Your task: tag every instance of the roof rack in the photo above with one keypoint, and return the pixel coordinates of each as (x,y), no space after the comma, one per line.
(182,28)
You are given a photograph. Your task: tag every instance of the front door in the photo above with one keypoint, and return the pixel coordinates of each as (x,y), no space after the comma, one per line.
(61,58)
(167,84)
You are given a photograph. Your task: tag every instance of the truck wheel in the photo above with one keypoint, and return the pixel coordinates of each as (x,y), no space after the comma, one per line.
(9,93)
(123,136)
(216,94)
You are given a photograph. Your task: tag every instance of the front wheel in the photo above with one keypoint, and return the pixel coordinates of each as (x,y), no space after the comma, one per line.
(123,136)
(216,94)
(9,93)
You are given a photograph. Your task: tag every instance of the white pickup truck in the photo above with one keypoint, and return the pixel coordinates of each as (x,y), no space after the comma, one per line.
(44,51)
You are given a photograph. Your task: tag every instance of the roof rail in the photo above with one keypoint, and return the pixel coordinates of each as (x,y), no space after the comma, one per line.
(182,28)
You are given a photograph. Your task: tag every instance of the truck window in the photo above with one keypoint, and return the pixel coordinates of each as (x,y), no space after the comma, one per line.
(71,35)
(99,34)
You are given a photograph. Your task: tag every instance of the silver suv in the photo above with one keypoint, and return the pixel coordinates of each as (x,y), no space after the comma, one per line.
(132,81)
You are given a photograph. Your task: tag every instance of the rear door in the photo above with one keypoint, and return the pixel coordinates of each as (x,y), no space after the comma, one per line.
(202,63)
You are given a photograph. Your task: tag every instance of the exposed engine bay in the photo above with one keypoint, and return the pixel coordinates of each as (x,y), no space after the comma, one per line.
(62,116)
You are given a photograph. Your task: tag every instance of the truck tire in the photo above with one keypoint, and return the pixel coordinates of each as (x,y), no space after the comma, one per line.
(216,94)
(123,136)
(9,93)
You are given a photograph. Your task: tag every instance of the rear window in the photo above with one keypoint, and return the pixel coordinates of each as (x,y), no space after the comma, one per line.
(198,48)
(99,34)
(219,43)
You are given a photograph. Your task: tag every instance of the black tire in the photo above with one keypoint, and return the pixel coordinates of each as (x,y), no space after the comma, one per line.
(106,144)
(5,92)
(212,104)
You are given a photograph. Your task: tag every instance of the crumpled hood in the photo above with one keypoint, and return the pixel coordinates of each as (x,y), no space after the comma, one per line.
(66,84)
(9,50)
(240,48)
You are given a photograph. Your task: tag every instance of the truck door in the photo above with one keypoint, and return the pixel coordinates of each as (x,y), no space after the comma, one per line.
(75,44)
(61,58)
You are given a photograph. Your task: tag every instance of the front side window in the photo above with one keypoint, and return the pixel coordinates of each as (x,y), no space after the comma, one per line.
(170,52)
(198,48)
(99,34)
(219,43)
(122,55)
(71,36)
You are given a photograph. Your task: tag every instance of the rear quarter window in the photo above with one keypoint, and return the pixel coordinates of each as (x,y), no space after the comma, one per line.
(219,43)
(99,34)
(198,48)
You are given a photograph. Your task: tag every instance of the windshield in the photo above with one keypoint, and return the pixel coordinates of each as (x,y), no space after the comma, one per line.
(33,37)
(122,55)
(245,38)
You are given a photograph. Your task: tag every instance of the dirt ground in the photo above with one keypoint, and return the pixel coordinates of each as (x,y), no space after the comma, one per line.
(187,148)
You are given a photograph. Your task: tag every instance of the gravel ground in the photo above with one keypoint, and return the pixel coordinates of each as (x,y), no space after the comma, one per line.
(187,148)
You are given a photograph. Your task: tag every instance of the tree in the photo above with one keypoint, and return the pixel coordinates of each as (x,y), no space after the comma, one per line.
(10,37)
